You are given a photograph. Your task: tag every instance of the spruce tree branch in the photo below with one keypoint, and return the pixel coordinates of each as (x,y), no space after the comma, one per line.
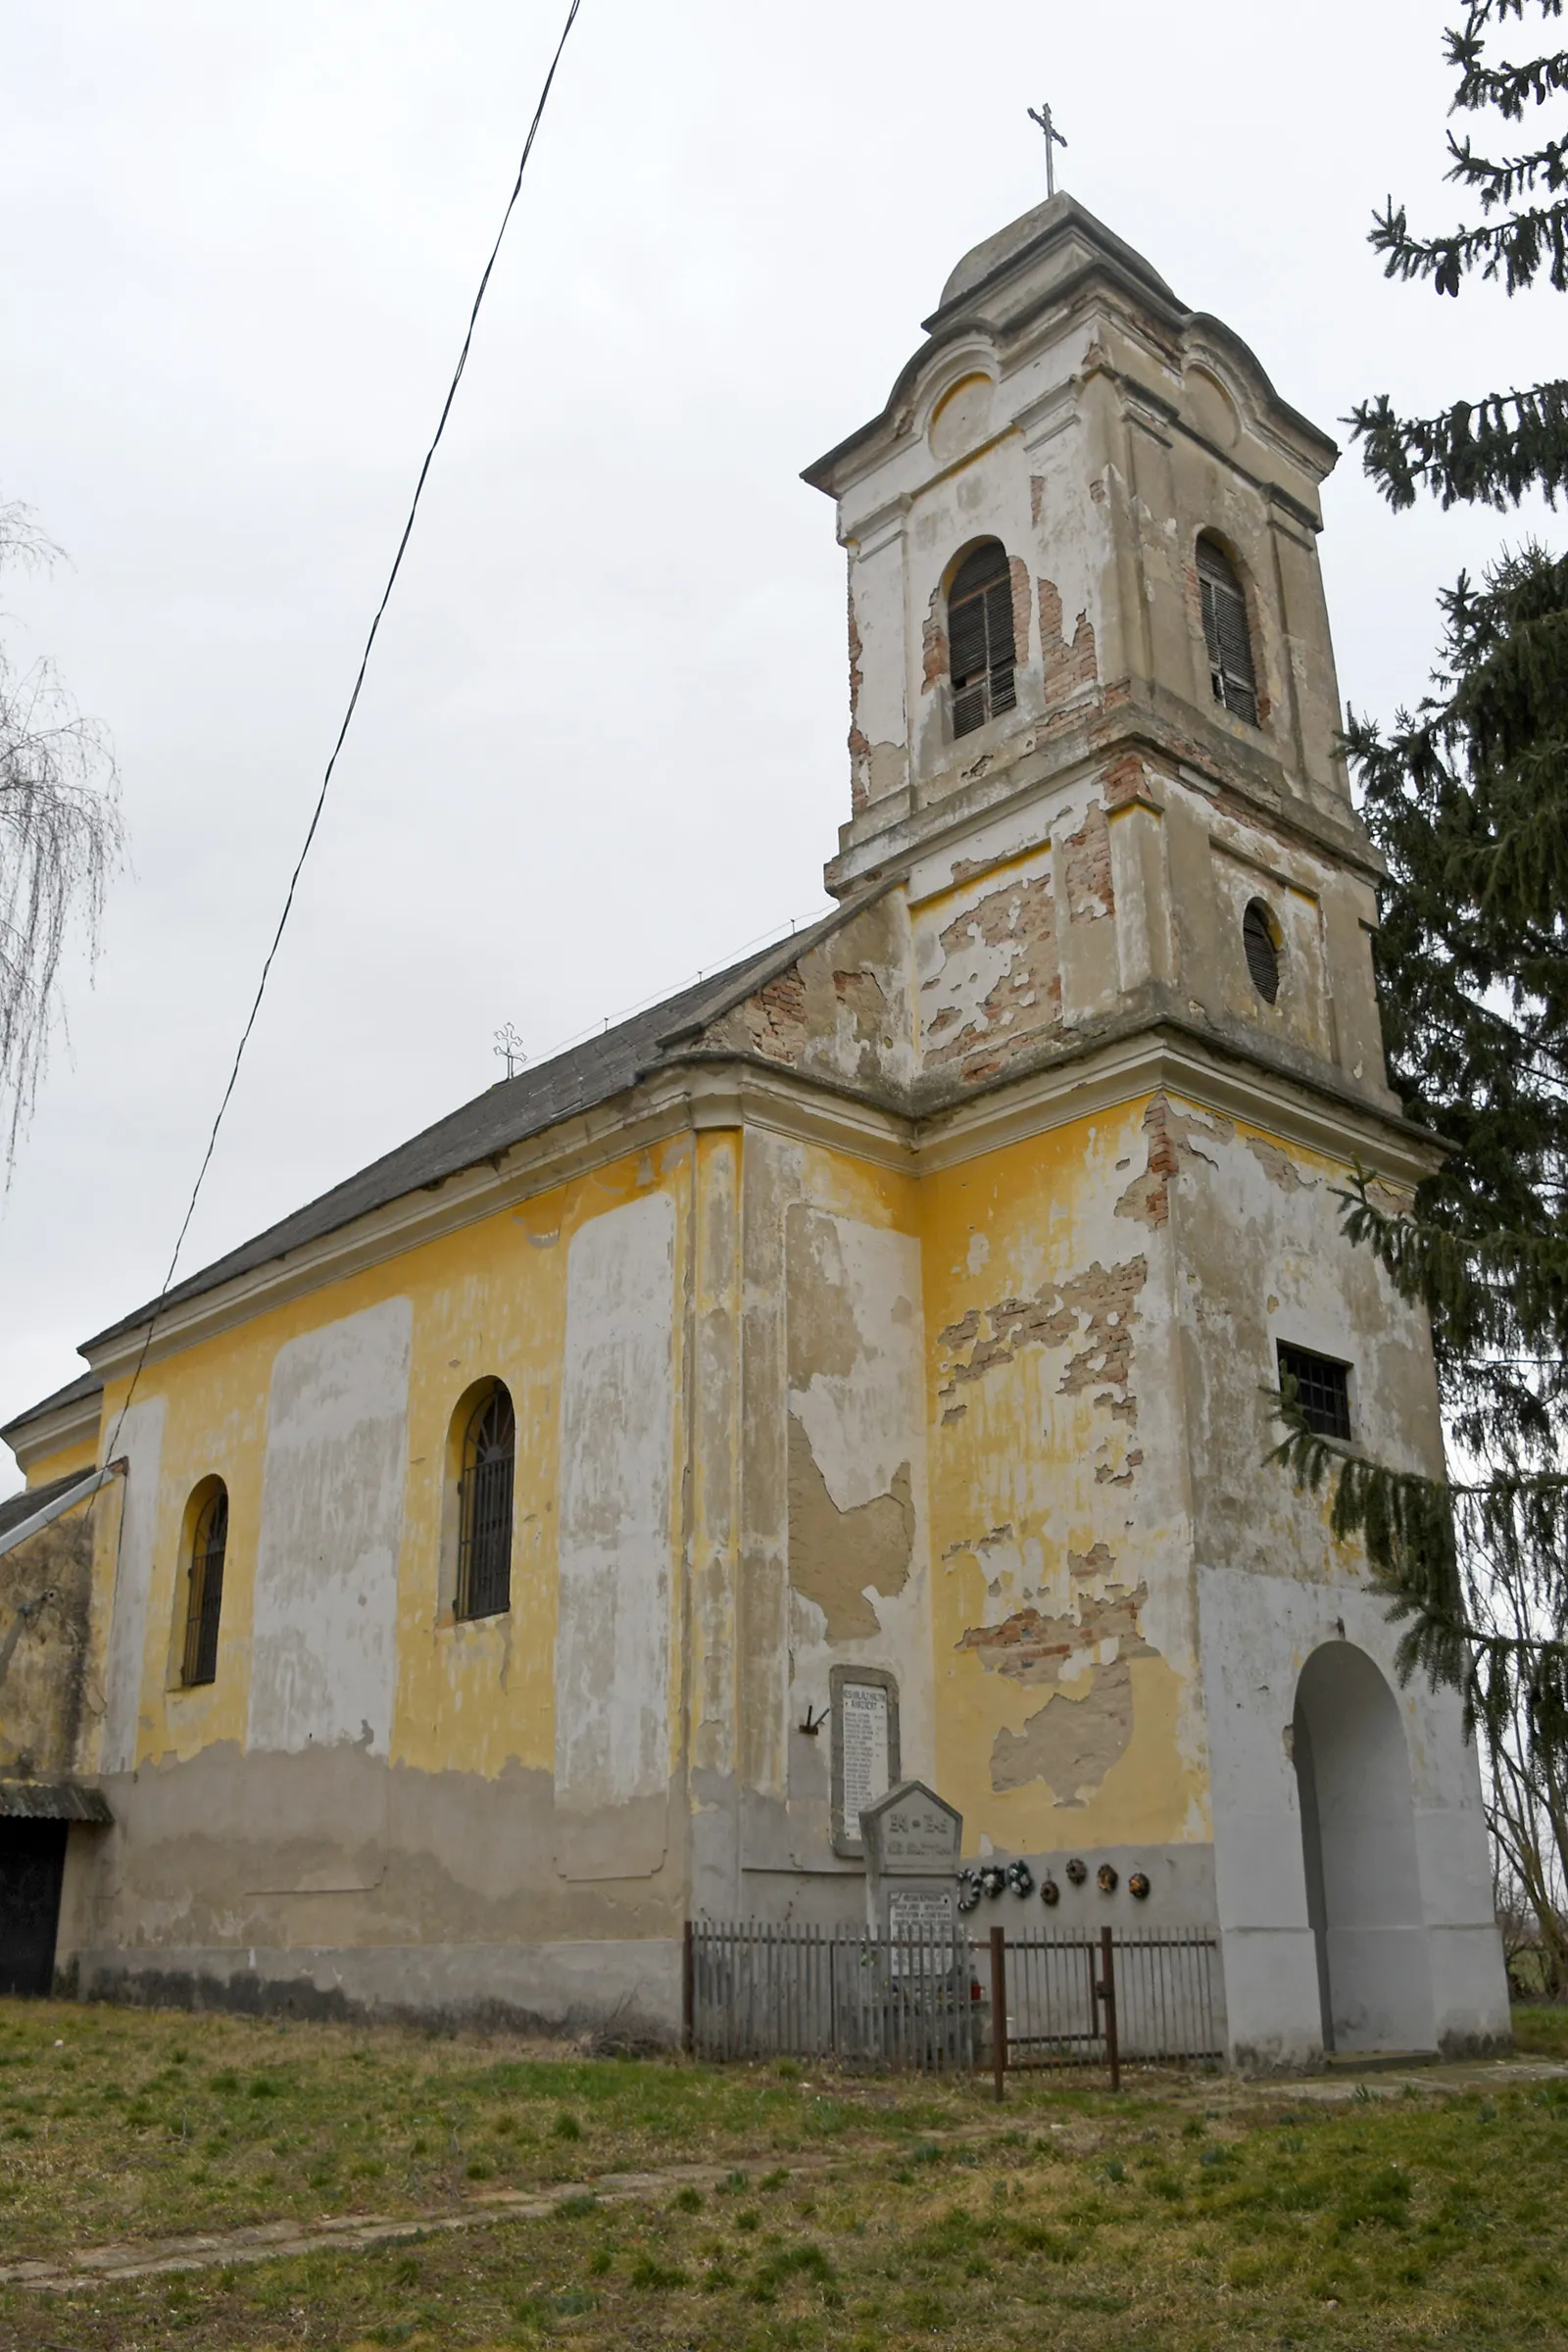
(1488,452)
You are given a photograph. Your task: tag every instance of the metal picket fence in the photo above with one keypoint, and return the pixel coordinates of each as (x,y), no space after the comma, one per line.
(759,1991)
(1071,1996)
(1054,1997)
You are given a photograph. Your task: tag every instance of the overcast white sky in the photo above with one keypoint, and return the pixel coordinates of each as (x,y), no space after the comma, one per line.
(603,744)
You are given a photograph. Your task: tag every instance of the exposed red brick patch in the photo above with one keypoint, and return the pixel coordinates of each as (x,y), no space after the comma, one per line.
(1124,781)
(860,745)
(1174,1139)
(772,1023)
(862,991)
(1086,869)
(1031,1647)
(933,646)
(1018,918)
(1072,1742)
(1067,668)
(1018,575)
(1097,1308)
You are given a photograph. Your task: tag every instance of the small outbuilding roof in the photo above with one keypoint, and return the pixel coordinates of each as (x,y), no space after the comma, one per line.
(17,1508)
(52,1801)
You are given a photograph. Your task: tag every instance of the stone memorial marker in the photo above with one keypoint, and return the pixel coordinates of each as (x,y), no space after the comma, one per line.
(911,1839)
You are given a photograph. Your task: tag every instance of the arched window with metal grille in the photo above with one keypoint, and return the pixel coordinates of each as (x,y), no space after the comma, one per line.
(209,1542)
(1226,635)
(982,653)
(484,1507)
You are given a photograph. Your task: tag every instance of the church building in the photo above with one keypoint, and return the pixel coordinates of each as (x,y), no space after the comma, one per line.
(856,1368)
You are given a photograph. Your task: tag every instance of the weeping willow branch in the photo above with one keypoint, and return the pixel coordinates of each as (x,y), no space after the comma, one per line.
(60,841)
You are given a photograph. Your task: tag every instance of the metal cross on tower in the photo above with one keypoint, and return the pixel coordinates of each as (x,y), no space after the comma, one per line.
(1054,140)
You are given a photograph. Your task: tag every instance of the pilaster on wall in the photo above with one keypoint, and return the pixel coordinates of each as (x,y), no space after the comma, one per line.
(711,1698)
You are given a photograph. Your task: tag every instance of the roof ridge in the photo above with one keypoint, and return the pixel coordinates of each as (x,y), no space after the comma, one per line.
(608,1062)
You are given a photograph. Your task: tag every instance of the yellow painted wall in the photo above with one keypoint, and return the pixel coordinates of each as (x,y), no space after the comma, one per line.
(64,1463)
(488,1300)
(1014,1492)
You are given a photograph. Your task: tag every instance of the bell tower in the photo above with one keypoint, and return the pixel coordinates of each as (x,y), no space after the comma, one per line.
(1087,629)
(1106,949)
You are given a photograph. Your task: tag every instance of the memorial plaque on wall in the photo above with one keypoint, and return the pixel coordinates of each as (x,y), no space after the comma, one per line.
(912,1841)
(866,1747)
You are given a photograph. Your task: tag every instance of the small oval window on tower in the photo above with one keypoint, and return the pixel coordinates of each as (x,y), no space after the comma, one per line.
(1226,637)
(1262,951)
(982,653)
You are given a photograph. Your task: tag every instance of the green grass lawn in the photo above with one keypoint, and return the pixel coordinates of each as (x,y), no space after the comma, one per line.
(1187,2213)
(1541,2029)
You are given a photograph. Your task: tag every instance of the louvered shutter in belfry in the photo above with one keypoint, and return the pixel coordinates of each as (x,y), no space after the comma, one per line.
(1001,646)
(1226,636)
(981,650)
(966,656)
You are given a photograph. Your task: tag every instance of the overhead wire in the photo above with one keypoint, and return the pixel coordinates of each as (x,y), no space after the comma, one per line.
(342,733)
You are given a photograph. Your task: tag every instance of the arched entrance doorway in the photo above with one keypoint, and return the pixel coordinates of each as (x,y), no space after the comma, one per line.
(1364,1886)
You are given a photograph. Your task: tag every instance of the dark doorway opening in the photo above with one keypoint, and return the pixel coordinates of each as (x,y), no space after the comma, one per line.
(33,1866)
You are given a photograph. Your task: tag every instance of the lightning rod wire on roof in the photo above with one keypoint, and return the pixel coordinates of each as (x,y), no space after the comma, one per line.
(348,715)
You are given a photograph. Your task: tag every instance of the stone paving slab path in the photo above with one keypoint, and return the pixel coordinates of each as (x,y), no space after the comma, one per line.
(271,2241)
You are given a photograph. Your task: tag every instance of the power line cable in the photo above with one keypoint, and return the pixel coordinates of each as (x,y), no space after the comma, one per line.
(348,715)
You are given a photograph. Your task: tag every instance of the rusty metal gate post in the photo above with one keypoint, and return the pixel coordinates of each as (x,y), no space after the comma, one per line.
(1106,1992)
(999,2008)
(688,1992)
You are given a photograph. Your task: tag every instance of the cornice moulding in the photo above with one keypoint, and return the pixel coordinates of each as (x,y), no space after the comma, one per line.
(699,1093)
(75,1424)
(691,1095)
(1158,1062)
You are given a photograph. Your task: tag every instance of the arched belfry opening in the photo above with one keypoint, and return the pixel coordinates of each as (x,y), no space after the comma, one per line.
(1364,1882)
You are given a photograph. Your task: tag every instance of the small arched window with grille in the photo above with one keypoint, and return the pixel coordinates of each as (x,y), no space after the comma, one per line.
(982,653)
(209,1540)
(1226,635)
(484,1509)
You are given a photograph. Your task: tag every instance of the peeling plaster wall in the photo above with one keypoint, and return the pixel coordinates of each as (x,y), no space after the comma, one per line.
(421,1867)
(45,1612)
(856,1491)
(326,1607)
(841,1012)
(1261,1258)
(140,1443)
(613,1644)
(991,973)
(1069,1718)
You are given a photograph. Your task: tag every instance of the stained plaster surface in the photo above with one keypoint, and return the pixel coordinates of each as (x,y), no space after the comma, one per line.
(45,1600)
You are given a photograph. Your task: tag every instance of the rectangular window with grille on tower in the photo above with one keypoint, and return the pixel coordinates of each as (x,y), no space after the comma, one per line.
(1322,1390)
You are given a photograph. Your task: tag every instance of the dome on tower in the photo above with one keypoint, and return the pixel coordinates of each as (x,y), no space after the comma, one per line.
(1061,223)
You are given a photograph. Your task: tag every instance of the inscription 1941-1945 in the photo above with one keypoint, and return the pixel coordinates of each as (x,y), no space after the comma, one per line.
(912,1842)
(918,1833)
